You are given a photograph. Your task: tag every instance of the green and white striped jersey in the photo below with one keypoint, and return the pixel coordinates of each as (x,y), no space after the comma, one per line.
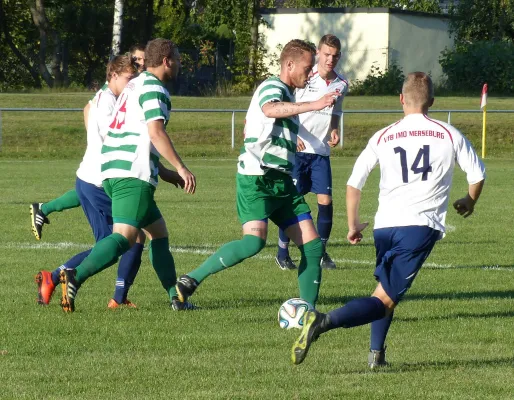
(127,151)
(269,142)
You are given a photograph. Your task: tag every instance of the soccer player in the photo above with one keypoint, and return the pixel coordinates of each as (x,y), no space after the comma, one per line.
(88,187)
(130,158)
(317,133)
(39,212)
(265,187)
(417,156)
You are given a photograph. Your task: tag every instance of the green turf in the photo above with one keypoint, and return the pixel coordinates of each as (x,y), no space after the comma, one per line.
(451,339)
(61,134)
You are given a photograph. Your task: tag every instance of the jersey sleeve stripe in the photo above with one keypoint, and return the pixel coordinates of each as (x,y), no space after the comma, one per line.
(251,140)
(117,164)
(154,114)
(161,97)
(267,99)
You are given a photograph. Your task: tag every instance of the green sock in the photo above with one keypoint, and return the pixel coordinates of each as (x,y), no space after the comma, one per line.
(309,271)
(229,255)
(66,201)
(163,264)
(105,253)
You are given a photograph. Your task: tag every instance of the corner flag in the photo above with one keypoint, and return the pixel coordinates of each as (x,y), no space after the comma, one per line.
(483,100)
(483,107)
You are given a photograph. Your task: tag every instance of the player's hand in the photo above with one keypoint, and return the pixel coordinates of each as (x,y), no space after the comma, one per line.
(464,206)
(355,235)
(334,139)
(327,100)
(300,145)
(189,180)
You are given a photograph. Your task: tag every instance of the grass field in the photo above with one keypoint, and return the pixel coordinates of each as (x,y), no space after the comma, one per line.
(452,337)
(61,135)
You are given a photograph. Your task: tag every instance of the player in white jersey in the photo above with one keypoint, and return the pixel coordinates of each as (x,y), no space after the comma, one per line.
(130,152)
(318,132)
(417,156)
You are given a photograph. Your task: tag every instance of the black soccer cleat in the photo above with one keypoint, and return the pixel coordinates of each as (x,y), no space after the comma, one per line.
(326,262)
(313,326)
(69,289)
(376,359)
(37,219)
(177,305)
(186,286)
(285,264)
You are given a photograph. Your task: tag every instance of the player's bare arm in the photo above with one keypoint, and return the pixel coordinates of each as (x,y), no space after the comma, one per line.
(285,109)
(355,227)
(86,113)
(167,175)
(164,146)
(466,205)
(334,134)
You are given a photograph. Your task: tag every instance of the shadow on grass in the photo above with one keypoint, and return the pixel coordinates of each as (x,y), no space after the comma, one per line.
(506,314)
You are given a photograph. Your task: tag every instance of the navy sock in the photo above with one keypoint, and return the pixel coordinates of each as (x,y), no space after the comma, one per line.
(379,329)
(325,216)
(127,271)
(283,245)
(357,312)
(72,263)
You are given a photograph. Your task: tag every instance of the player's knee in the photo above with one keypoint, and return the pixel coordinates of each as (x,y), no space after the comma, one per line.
(312,249)
(252,245)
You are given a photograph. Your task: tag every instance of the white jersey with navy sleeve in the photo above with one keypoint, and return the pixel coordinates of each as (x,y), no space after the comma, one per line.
(416,155)
(101,108)
(314,126)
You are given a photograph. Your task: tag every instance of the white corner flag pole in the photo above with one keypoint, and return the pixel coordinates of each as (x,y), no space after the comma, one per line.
(483,107)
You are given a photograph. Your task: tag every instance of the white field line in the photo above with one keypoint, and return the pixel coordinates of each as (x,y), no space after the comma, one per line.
(210,248)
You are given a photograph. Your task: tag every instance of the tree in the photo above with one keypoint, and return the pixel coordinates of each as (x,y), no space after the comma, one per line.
(117,28)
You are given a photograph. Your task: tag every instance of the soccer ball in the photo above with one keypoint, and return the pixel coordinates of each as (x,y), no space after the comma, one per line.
(291,312)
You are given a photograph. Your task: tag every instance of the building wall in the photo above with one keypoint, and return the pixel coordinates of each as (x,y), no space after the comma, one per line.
(415,43)
(364,37)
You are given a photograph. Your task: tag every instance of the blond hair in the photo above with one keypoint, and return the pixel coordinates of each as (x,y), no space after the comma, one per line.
(295,49)
(418,90)
(120,64)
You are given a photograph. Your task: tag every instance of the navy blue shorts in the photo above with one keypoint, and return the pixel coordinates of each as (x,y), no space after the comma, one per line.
(97,208)
(401,251)
(312,173)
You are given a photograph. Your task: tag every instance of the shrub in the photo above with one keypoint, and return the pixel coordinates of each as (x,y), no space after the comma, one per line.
(377,82)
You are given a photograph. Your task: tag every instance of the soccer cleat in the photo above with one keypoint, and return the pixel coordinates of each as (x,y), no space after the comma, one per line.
(326,262)
(376,359)
(114,304)
(186,286)
(312,328)
(177,305)
(45,287)
(285,264)
(69,289)
(37,219)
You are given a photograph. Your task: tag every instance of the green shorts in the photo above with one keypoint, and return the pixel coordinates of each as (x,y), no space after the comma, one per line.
(272,196)
(132,201)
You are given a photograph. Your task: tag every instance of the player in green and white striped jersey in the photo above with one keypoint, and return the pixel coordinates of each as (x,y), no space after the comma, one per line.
(130,156)
(265,188)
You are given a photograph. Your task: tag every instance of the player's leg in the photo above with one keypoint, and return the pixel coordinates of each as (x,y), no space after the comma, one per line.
(131,200)
(39,212)
(322,185)
(254,204)
(410,246)
(301,178)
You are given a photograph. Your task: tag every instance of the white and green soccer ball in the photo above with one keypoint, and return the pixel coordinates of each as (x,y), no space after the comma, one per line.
(291,313)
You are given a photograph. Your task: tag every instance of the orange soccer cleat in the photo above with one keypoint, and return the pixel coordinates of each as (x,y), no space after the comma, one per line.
(114,304)
(45,287)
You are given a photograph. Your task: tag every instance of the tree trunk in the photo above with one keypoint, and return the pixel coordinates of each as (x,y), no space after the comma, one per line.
(254,32)
(149,21)
(23,60)
(117,28)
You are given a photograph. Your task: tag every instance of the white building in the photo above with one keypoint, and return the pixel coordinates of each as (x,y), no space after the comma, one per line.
(369,36)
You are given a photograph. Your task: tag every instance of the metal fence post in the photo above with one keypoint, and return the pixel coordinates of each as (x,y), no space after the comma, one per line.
(233,128)
(449,117)
(341,129)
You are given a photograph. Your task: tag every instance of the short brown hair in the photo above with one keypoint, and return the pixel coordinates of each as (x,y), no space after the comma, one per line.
(136,47)
(418,90)
(295,48)
(331,41)
(156,50)
(120,64)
